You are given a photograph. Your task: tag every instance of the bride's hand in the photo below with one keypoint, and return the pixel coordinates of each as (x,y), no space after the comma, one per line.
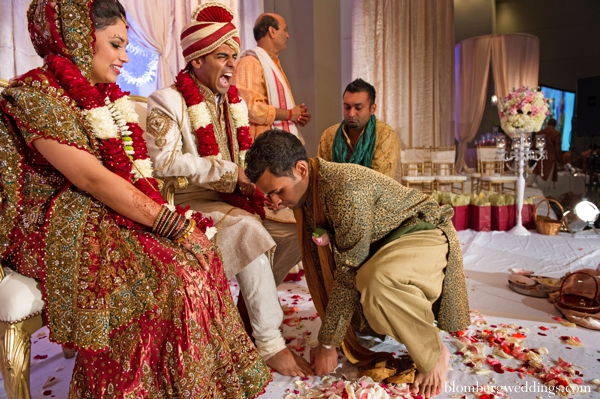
(202,248)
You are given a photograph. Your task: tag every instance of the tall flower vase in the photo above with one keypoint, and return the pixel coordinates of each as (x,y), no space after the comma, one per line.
(521,157)
(521,154)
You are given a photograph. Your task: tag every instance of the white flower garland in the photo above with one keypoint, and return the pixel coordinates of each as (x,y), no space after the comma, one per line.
(239,113)
(110,120)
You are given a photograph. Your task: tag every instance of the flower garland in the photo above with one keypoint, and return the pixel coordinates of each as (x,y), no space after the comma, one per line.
(201,122)
(207,145)
(114,123)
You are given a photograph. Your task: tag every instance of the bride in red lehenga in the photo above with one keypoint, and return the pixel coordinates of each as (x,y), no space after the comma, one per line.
(134,285)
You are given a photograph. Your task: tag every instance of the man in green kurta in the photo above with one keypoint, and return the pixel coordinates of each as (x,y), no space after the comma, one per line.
(396,264)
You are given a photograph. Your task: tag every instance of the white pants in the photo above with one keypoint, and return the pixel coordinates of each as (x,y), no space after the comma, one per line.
(257,285)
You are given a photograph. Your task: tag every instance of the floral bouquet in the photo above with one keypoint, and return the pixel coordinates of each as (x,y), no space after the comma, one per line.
(523,109)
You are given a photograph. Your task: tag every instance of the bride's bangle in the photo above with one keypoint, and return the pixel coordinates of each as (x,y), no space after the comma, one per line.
(186,233)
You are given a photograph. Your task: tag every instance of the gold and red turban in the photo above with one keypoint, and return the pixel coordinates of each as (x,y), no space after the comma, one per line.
(210,28)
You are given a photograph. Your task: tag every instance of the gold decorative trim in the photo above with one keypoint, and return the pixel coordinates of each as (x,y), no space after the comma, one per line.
(138,99)
(4,83)
(226,183)
(181,182)
(29,316)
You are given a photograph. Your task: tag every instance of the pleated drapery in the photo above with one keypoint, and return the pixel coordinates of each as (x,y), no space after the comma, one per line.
(404,48)
(515,62)
(17,54)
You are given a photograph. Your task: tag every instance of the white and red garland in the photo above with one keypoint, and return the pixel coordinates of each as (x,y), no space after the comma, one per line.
(201,121)
(206,140)
(114,123)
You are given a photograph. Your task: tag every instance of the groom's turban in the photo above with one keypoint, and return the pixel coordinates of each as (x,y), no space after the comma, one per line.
(211,27)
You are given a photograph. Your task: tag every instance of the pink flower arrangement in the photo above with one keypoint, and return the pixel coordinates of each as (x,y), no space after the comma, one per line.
(523,109)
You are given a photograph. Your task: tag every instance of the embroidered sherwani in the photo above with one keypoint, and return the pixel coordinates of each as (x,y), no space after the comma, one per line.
(361,208)
(172,147)
(147,321)
(249,78)
(385,155)
(242,238)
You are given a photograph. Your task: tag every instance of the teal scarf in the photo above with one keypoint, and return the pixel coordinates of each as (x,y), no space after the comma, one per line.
(363,153)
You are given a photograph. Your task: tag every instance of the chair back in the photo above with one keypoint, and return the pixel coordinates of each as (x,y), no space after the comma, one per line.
(489,162)
(3,84)
(443,162)
(415,161)
(140,104)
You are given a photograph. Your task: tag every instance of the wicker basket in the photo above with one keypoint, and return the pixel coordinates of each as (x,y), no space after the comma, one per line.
(545,224)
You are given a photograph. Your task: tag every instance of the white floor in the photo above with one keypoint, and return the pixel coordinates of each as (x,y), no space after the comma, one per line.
(487,258)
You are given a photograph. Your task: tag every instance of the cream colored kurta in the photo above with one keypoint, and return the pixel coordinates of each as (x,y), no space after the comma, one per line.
(172,148)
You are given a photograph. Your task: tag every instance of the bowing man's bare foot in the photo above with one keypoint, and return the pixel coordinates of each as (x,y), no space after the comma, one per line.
(432,383)
(287,362)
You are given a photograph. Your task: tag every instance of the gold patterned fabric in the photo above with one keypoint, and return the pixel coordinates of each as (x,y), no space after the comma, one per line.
(361,208)
(146,319)
(64,29)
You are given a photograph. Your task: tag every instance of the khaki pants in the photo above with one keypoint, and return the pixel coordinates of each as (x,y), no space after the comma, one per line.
(399,284)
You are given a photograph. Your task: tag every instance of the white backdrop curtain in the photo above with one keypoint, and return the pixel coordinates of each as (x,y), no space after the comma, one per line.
(157,26)
(515,62)
(405,49)
(471,77)
(17,55)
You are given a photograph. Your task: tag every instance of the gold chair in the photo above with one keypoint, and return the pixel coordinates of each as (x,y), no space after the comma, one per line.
(416,169)
(442,160)
(140,104)
(491,168)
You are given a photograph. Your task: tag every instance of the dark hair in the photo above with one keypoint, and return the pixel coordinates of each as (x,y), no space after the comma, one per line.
(262,27)
(275,150)
(551,122)
(106,13)
(360,85)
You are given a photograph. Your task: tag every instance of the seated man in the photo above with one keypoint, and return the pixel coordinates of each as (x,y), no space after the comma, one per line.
(360,138)
(197,136)
(396,258)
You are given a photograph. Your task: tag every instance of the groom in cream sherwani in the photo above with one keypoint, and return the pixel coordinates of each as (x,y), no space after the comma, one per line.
(262,83)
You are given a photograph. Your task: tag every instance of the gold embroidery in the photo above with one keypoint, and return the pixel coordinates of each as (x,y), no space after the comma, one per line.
(11,164)
(226,184)
(49,112)
(101,301)
(159,124)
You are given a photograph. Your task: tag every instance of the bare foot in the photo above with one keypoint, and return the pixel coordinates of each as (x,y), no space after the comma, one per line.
(431,383)
(287,362)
